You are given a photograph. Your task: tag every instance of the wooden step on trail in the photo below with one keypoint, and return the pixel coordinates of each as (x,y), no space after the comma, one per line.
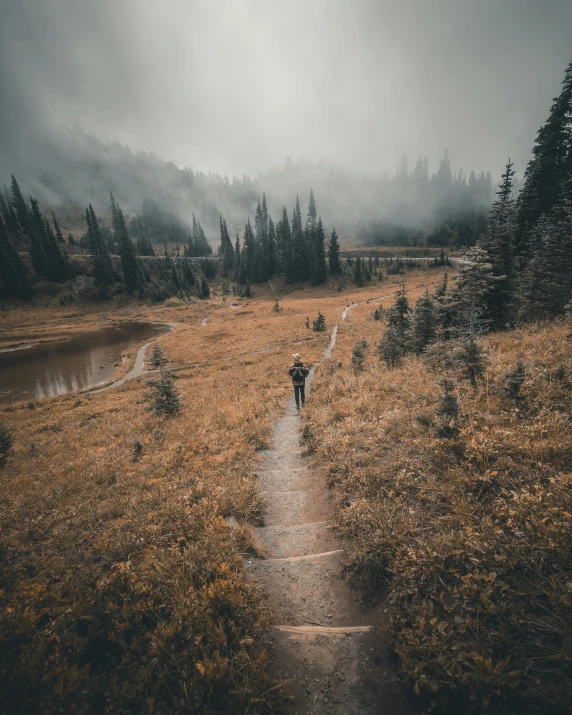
(305,558)
(313,632)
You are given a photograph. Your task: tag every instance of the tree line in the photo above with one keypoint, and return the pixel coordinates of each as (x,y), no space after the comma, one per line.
(293,248)
(23,226)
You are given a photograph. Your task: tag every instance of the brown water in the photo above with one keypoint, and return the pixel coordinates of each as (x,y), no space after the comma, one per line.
(50,369)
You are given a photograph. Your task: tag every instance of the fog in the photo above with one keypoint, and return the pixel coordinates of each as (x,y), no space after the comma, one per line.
(236,86)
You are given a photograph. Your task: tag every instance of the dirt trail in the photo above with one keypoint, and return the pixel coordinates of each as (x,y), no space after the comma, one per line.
(324,640)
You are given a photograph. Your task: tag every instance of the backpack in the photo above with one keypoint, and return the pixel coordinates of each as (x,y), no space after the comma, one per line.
(298,372)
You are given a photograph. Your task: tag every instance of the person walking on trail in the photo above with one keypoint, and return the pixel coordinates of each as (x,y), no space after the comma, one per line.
(298,371)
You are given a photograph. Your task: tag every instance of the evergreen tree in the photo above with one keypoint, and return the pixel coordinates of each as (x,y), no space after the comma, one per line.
(164,397)
(144,245)
(12,269)
(545,286)
(300,267)
(285,252)
(8,215)
(237,259)
(359,354)
(37,248)
(126,249)
(475,281)
(158,357)
(391,347)
(319,325)
(321,270)
(59,235)
(398,314)
(247,261)
(20,208)
(358,273)
(334,262)
(498,242)
(423,326)
(205,290)
(549,167)
(226,251)
(103,273)
(310,240)
(58,267)
(445,310)
(188,276)
(199,244)
(271,249)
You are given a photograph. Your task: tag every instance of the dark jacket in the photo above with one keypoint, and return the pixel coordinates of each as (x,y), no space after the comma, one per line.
(298,371)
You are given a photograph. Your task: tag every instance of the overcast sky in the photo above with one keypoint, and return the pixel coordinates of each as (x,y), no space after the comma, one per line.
(238,85)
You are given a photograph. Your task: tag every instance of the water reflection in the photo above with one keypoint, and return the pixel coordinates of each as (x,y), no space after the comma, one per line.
(56,368)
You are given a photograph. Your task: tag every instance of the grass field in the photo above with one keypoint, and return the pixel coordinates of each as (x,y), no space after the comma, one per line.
(466,539)
(122,582)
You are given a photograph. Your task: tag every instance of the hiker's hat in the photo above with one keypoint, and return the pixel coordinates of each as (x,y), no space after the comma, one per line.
(297,356)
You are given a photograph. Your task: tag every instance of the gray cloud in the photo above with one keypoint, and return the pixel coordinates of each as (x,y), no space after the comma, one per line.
(237,85)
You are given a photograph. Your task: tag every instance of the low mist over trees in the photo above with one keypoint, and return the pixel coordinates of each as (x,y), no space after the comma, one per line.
(444,203)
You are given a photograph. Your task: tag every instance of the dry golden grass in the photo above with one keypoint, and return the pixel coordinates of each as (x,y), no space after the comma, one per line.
(122,583)
(467,539)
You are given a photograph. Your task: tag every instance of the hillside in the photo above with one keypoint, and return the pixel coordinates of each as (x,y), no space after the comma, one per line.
(73,168)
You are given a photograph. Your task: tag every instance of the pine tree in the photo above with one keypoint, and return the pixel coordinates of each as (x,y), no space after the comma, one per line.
(8,215)
(545,285)
(334,263)
(237,259)
(158,357)
(188,276)
(498,242)
(59,235)
(475,281)
(358,273)
(271,250)
(205,290)
(391,347)
(226,251)
(36,230)
(164,397)
(199,244)
(444,310)
(284,240)
(126,249)
(359,354)
(321,270)
(58,268)
(103,274)
(310,240)
(20,208)
(423,325)
(398,314)
(301,267)
(549,167)
(319,325)
(248,256)
(12,269)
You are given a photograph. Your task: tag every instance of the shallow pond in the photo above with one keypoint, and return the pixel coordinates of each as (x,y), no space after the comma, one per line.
(50,369)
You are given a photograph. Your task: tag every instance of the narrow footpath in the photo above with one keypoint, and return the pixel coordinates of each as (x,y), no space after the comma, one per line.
(325,642)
